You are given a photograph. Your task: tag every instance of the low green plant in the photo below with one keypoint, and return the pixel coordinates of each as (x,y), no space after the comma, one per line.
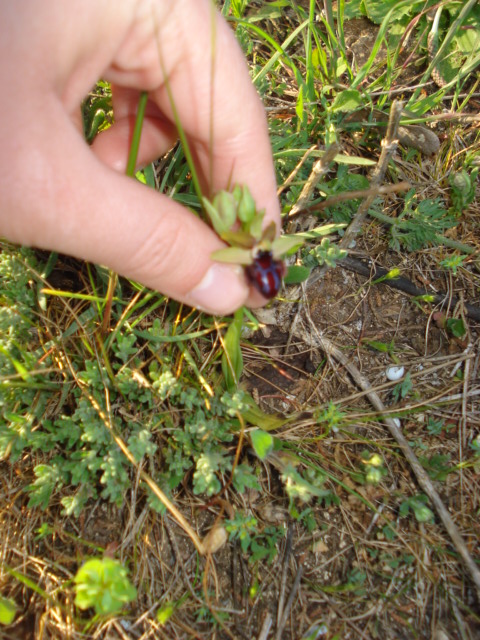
(403,389)
(419,506)
(375,470)
(103,584)
(260,545)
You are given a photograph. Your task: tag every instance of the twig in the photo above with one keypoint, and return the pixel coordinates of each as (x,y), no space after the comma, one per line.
(354,195)
(283,581)
(319,169)
(291,177)
(389,146)
(403,284)
(315,338)
(267,624)
(290,600)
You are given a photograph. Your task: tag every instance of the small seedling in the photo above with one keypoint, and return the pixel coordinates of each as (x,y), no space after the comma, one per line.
(102,583)
(418,504)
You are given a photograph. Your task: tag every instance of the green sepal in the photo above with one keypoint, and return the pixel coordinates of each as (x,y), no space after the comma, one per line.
(233,255)
(217,222)
(255,226)
(245,204)
(269,233)
(286,244)
(238,239)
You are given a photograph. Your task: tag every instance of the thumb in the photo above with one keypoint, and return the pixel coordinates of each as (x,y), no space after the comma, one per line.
(77,205)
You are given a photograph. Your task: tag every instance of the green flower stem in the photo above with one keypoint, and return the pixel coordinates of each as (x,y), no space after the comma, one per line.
(130,171)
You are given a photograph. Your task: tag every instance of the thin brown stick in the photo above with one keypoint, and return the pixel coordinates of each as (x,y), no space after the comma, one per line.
(353,195)
(389,146)
(313,337)
(319,169)
(297,168)
(283,580)
(289,604)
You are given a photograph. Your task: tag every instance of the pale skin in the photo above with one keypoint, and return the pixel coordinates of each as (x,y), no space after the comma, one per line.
(57,193)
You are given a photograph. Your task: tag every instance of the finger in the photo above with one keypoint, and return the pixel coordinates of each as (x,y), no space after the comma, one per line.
(113,145)
(87,210)
(217,105)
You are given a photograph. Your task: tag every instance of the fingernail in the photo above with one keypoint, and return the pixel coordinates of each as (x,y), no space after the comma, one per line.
(222,290)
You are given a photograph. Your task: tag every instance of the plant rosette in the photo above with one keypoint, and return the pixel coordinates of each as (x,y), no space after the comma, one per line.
(235,218)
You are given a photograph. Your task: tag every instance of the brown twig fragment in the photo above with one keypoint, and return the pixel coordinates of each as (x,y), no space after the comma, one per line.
(319,169)
(389,146)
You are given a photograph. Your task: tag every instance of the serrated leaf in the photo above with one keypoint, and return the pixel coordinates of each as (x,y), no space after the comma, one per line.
(262,443)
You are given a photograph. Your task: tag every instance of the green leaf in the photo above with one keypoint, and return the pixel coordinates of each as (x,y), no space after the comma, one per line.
(232,359)
(456,327)
(102,583)
(262,442)
(165,612)
(347,101)
(240,239)
(296,273)
(324,230)
(8,609)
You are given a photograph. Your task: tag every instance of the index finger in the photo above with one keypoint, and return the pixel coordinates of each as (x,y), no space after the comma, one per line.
(213,95)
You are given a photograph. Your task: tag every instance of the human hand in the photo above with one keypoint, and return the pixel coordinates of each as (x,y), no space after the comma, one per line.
(58,193)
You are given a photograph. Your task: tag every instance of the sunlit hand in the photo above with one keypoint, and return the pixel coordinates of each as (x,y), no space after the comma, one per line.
(58,193)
